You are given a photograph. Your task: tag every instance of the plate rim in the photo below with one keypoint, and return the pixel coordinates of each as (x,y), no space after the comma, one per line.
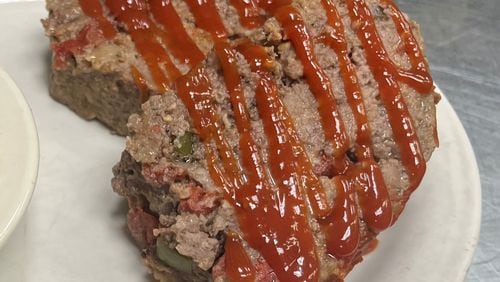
(477,200)
(465,248)
(476,214)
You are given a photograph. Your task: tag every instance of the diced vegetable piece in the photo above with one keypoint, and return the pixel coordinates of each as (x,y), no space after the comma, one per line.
(186,145)
(172,258)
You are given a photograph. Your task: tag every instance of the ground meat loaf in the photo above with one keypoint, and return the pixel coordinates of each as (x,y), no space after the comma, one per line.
(94,74)
(307,117)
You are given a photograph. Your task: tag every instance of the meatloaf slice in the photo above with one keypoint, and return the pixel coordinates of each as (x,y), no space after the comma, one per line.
(90,73)
(279,138)
(98,69)
(181,161)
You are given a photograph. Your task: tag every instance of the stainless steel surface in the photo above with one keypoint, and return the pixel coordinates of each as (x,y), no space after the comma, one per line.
(462,43)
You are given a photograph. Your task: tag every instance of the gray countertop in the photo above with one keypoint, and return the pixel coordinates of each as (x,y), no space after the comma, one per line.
(462,42)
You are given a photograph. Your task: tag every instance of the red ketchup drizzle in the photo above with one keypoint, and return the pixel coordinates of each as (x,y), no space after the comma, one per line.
(341,224)
(93,9)
(386,74)
(176,38)
(294,259)
(418,77)
(372,191)
(238,266)
(140,81)
(145,34)
(195,90)
(249,13)
(290,254)
(336,40)
(255,202)
(203,11)
(295,28)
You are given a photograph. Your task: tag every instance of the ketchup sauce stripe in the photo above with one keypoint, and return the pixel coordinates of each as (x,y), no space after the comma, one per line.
(176,37)
(94,9)
(340,224)
(271,239)
(295,29)
(144,33)
(287,161)
(238,265)
(337,42)
(418,76)
(374,197)
(375,172)
(385,72)
(249,13)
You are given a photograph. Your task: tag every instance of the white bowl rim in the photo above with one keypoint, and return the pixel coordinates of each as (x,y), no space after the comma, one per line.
(27,184)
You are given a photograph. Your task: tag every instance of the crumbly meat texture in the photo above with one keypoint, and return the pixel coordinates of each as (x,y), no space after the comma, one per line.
(172,197)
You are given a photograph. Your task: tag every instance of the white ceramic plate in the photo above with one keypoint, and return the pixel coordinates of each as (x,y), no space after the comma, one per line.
(435,237)
(18,156)
(75,227)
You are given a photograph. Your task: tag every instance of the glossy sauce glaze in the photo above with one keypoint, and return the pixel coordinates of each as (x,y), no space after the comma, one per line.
(387,73)
(290,169)
(94,9)
(372,190)
(418,76)
(238,265)
(295,29)
(272,201)
(341,224)
(141,83)
(176,37)
(255,202)
(249,12)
